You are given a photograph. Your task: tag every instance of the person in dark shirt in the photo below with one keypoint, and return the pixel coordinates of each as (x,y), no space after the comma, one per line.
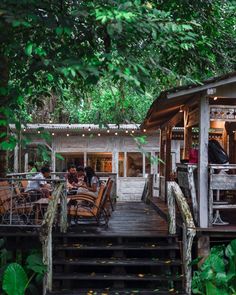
(72,178)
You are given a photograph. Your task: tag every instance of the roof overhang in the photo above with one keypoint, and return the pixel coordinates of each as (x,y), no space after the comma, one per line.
(169,103)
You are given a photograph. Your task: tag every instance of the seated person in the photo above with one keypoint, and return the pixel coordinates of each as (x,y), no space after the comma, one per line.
(72,179)
(82,186)
(92,181)
(32,168)
(41,184)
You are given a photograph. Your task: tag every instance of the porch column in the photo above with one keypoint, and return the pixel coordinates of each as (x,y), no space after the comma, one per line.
(125,164)
(204,123)
(26,161)
(16,167)
(187,135)
(53,160)
(85,159)
(144,164)
(168,153)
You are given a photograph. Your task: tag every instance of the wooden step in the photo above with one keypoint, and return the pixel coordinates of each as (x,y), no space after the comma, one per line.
(112,246)
(110,277)
(117,262)
(133,291)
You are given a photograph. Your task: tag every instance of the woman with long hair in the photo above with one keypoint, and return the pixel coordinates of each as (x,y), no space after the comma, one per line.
(92,180)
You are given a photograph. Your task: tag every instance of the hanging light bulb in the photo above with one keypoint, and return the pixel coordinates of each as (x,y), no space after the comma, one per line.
(132,131)
(126,131)
(67,134)
(24,129)
(99,134)
(89,129)
(144,130)
(38,131)
(53,133)
(116,133)
(83,135)
(50,120)
(215,98)
(108,131)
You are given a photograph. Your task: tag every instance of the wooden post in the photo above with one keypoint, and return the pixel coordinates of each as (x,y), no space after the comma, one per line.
(144,162)
(26,162)
(125,164)
(16,167)
(162,152)
(53,160)
(168,153)
(85,159)
(187,135)
(203,161)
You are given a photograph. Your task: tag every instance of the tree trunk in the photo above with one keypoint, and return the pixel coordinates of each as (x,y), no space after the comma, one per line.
(4,76)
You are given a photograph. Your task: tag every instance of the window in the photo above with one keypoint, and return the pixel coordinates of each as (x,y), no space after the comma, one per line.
(134,164)
(100,162)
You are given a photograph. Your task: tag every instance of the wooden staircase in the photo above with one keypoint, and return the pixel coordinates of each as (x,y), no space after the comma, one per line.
(89,264)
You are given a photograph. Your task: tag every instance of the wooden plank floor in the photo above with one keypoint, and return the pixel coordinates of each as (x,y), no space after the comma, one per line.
(129,218)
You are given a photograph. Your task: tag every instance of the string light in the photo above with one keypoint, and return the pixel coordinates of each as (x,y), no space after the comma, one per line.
(38,131)
(67,134)
(83,135)
(50,120)
(99,134)
(144,130)
(126,131)
(53,134)
(116,133)
(215,98)
(132,131)
(24,129)
(108,131)
(181,109)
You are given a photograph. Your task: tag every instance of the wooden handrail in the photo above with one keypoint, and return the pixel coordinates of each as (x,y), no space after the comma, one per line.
(45,235)
(175,195)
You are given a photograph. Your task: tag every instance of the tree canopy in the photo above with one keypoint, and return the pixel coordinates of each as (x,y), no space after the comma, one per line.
(107,60)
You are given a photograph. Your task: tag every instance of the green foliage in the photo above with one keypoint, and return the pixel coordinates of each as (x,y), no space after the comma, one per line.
(14,280)
(217,275)
(106,61)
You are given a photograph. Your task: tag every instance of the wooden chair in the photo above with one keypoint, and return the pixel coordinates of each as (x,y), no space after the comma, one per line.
(88,208)
(13,207)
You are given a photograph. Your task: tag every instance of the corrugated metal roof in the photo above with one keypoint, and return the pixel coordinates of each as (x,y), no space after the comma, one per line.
(76,127)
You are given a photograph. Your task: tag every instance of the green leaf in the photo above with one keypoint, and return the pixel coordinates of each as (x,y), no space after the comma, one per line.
(14,279)
(59,156)
(50,77)
(59,31)
(29,49)
(35,263)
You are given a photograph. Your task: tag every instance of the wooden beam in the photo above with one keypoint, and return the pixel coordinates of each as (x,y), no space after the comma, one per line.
(193,118)
(172,122)
(203,161)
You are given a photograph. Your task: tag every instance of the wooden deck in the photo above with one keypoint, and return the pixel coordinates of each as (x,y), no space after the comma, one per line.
(129,218)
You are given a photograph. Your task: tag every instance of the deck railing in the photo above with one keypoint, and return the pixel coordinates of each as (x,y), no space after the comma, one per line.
(19,207)
(175,196)
(222,179)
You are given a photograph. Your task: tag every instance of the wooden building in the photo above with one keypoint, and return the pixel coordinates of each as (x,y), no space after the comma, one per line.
(110,150)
